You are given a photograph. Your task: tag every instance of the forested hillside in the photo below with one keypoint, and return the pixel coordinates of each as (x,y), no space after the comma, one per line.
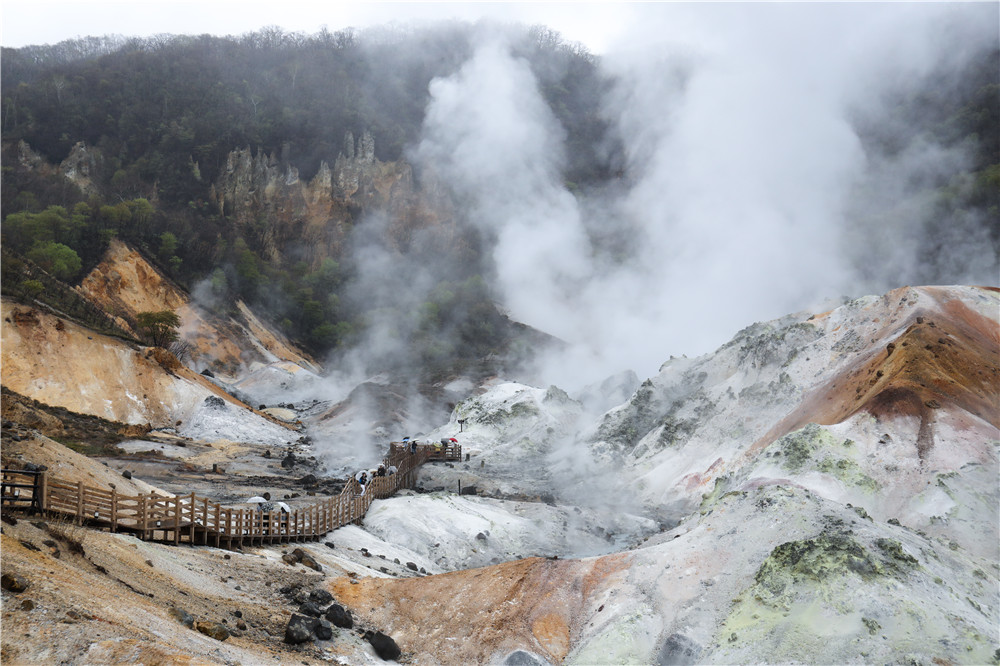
(147,129)
(158,119)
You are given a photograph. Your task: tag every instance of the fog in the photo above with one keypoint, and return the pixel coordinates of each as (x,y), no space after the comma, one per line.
(746,193)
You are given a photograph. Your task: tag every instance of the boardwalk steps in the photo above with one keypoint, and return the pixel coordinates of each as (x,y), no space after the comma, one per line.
(197,520)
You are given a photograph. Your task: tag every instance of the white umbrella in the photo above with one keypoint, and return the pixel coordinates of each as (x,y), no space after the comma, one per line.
(257,499)
(284,507)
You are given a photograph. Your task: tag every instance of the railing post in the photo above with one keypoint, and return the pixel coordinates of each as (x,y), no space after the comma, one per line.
(79,502)
(44,501)
(114,510)
(36,492)
(144,515)
(191,517)
(177,519)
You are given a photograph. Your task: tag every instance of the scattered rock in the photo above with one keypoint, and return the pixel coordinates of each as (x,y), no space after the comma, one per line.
(320,597)
(299,629)
(385,647)
(524,658)
(183,617)
(679,649)
(28,605)
(323,630)
(340,616)
(214,630)
(411,565)
(288,461)
(308,480)
(241,625)
(308,561)
(13,583)
(215,402)
(127,474)
(329,544)
(292,558)
(310,609)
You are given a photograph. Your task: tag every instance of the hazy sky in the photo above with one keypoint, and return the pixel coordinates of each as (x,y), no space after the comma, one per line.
(51,21)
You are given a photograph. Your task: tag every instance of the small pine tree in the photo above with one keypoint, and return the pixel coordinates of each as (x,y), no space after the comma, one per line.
(158,328)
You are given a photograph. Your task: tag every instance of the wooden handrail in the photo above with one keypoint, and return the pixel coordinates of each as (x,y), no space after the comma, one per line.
(151,515)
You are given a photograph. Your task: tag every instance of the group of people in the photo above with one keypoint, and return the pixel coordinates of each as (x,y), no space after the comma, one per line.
(365,476)
(411,445)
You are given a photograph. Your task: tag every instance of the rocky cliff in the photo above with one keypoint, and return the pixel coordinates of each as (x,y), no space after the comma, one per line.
(124,283)
(266,198)
(60,363)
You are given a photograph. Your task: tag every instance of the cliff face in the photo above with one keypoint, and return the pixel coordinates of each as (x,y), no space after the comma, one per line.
(124,283)
(59,363)
(259,193)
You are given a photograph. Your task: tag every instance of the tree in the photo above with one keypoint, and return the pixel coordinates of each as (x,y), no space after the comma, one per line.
(168,245)
(32,288)
(58,259)
(158,328)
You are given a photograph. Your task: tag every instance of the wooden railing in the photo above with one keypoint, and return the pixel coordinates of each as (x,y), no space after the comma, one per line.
(198,520)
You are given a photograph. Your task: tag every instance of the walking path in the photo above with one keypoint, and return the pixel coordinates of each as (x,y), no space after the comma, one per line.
(197,520)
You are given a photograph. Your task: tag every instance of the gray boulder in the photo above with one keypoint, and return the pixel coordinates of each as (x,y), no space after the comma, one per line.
(300,629)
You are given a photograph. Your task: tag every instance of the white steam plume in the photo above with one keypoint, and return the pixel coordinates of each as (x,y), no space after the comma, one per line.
(741,167)
(489,134)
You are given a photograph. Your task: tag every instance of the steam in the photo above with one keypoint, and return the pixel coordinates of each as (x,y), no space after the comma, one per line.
(489,134)
(742,198)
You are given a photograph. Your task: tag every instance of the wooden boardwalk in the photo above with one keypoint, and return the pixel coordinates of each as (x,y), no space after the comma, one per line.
(197,520)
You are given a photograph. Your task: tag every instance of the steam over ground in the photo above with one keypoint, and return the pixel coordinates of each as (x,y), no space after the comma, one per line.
(745,191)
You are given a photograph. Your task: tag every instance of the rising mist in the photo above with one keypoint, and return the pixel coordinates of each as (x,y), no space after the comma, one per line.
(745,192)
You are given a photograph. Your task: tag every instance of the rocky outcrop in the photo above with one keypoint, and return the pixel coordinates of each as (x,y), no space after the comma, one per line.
(261,192)
(62,364)
(124,284)
(79,167)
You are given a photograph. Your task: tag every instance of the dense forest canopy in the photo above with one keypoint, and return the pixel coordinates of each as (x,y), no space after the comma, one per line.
(165,113)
